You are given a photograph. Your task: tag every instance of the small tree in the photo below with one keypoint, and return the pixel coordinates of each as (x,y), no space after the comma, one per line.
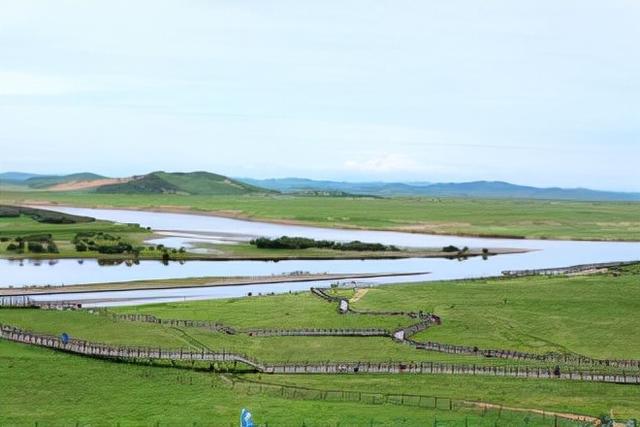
(35,247)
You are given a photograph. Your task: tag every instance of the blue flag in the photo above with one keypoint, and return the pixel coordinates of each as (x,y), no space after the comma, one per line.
(245,419)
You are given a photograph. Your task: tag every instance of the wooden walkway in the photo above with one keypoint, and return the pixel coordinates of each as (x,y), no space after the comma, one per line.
(106,351)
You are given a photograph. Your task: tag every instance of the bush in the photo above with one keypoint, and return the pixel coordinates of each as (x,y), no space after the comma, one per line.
(52,248)
(118,248)
(81,247)
(286,242)
(35,247)
(12,247)
(4,239)
(450,248)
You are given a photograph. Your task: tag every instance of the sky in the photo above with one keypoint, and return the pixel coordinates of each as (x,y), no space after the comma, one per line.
(537,92)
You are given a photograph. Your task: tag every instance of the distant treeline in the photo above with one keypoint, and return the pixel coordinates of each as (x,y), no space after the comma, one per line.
(36,243)
(286,242)
(42,215)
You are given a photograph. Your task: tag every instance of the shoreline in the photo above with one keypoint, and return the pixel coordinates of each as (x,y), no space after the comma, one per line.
(243,217)
(350,256)
(195,282)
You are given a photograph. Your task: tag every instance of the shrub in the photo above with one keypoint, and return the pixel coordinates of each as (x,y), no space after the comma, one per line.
(52,248)
(286,242)
(35,247)
(12,247)
(81,247)
(450,248)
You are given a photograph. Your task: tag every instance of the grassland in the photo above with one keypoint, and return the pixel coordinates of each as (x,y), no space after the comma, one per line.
(533,314)
(69,390)
(509,218)
(537,314)
(590,315)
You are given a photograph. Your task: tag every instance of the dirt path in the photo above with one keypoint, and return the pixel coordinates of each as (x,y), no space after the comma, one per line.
(565,415)
(359,294)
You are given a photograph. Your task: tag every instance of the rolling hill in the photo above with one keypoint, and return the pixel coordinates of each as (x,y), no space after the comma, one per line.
(200,183)
(46,181)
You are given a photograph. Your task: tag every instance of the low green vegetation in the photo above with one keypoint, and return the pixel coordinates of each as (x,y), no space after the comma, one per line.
(75,390)
(592,315)
(52,235)
(476,217)
(286,242)
(536,314)
(42,215)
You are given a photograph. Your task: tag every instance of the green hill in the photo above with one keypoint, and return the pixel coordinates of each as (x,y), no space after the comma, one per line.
(202,183)
(42,182)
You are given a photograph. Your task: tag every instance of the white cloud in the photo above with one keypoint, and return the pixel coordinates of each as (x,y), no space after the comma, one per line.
(383,164)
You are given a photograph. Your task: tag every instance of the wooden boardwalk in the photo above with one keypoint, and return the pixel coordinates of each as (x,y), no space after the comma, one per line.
(106,351)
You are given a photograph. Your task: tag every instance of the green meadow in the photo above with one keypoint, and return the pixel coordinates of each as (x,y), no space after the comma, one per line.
(475,217)
(535,314)
(50,388)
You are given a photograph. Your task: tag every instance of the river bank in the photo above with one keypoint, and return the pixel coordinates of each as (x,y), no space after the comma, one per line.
(521,219)
(192,283)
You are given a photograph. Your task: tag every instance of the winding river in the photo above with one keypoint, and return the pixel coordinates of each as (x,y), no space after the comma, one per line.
(186,229)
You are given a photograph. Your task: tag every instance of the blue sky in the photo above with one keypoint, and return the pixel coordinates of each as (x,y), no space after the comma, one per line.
(533,92)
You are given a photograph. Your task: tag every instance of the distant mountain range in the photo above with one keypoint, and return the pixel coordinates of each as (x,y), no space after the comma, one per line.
(479,189)
(206,183)
(200,183)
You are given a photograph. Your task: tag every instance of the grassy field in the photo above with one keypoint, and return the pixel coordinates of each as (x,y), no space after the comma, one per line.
(70,390)
(532,219)
(533,313)
(83,325)
(590,315)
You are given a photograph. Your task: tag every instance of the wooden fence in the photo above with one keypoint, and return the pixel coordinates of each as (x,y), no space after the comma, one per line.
(179,323)
(312,332)
(518,355)
(157,353)
(22,301)
(566,270)
(412,400)
(427,319)
(258,332)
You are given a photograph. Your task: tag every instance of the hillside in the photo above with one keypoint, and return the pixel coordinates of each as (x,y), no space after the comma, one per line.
(200,183)
(46,181)
(477,189)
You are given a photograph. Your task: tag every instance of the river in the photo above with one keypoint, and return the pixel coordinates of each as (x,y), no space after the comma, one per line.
(186,229)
